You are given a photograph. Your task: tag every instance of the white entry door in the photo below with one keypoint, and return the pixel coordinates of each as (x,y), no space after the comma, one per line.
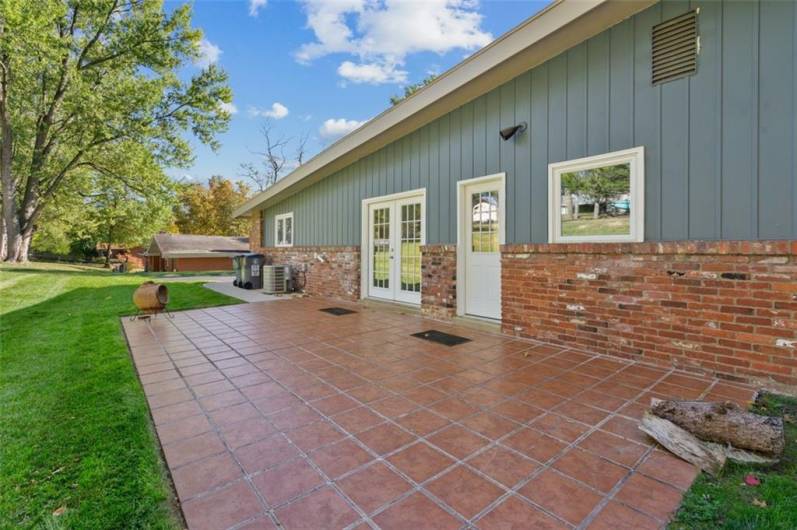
(395,236)
(482,217)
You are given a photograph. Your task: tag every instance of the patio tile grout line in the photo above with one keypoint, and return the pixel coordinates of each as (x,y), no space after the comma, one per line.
(216,429)
(425,407)
(418,487)
(491,444)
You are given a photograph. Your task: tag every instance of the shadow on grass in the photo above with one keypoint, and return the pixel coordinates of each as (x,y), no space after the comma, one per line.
(75,426)
(88,271)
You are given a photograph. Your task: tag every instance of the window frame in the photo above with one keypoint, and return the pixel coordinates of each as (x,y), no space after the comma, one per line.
(635,157)
(283,217)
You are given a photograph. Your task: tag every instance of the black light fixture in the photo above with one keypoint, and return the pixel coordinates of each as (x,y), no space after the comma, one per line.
(508,132)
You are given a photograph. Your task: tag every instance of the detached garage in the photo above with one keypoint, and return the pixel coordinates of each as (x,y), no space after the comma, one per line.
(184,252)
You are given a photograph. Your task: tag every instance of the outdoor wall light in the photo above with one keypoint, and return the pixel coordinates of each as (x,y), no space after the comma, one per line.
(509,132)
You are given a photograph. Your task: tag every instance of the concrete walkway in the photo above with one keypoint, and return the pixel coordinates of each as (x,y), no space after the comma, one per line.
(246,295)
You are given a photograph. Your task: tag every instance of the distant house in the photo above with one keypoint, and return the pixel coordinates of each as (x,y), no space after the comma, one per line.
(184,252)
(134,257)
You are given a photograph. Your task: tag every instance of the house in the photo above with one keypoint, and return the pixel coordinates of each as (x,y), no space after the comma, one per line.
(186,252)
(672,127)
(134,257)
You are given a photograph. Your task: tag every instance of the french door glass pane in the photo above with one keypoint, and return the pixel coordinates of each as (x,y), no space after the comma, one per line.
(485,221)
(411,247)
(381,248)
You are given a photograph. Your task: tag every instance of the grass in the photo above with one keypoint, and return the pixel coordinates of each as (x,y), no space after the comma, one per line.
(726,502)
(603,226)
(410,269)
(75,433)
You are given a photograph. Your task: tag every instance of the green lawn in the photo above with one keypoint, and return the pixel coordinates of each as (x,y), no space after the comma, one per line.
(410,269)
(727,503)
(75,431)
(603,226)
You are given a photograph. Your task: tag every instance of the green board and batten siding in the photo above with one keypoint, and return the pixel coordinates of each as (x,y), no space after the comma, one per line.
(720,145)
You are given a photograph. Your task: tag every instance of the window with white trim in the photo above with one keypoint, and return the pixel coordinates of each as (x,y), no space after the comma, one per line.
(283,230)
(598,199)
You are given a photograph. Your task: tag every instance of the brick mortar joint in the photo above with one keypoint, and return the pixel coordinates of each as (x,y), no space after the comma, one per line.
(311,248)
(439,249)
(709,248)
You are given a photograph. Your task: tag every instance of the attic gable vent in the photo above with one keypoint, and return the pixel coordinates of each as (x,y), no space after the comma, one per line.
(675,48)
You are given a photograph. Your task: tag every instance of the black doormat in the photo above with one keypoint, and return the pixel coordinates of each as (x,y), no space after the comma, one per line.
(337,311)
(441,338)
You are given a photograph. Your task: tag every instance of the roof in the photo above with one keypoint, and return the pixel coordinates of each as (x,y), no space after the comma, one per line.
(196,246)
(560,26)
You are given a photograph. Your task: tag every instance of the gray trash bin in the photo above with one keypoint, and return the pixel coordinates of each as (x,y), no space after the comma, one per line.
(252,271)
(236,270)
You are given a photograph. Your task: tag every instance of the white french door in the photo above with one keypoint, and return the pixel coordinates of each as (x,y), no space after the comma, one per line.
(481,230)
(395,234)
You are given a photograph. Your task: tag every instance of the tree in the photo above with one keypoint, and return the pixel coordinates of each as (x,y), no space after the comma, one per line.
(118,214)
(208,209)
(598,184)
(411,89)
(94,86)
(273,161)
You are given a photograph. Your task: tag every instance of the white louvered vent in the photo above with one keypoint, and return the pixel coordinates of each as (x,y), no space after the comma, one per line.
(675,45)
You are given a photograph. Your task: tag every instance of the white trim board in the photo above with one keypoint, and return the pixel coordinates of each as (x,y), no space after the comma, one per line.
(364,250)
(461,228)
(635,157)
(284,217)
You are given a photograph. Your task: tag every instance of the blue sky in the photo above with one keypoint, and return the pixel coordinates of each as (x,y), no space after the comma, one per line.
(306,63)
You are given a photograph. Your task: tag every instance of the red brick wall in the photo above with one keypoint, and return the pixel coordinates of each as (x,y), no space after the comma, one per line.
(200,264)
(332,272)
(325,270)
(439,280)
(727,307)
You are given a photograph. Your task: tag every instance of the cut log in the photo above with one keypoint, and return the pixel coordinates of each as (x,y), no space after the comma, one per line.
(725,423)
(708,456)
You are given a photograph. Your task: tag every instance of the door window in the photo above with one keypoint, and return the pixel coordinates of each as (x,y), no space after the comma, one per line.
(484,221)
(411,247)
(381,248)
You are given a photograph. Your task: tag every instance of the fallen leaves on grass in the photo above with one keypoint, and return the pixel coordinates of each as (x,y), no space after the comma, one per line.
(751,480)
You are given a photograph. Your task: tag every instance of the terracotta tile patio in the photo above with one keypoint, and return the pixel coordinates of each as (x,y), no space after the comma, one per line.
(278,414)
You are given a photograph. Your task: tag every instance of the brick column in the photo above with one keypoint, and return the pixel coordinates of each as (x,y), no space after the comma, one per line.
(439,281)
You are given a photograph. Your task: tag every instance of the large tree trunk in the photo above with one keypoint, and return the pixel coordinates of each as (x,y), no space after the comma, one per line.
(596,210)
(9,192)
(725,423)
(23,250)
(3,240)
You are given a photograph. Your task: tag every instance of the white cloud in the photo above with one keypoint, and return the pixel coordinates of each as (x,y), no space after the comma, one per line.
(209,54)
(277,111)
(382,34)
(335,128)
(372,73)
(255,6)
(229,108)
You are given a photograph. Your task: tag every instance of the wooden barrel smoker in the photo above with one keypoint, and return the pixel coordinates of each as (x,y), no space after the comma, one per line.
(151,297)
